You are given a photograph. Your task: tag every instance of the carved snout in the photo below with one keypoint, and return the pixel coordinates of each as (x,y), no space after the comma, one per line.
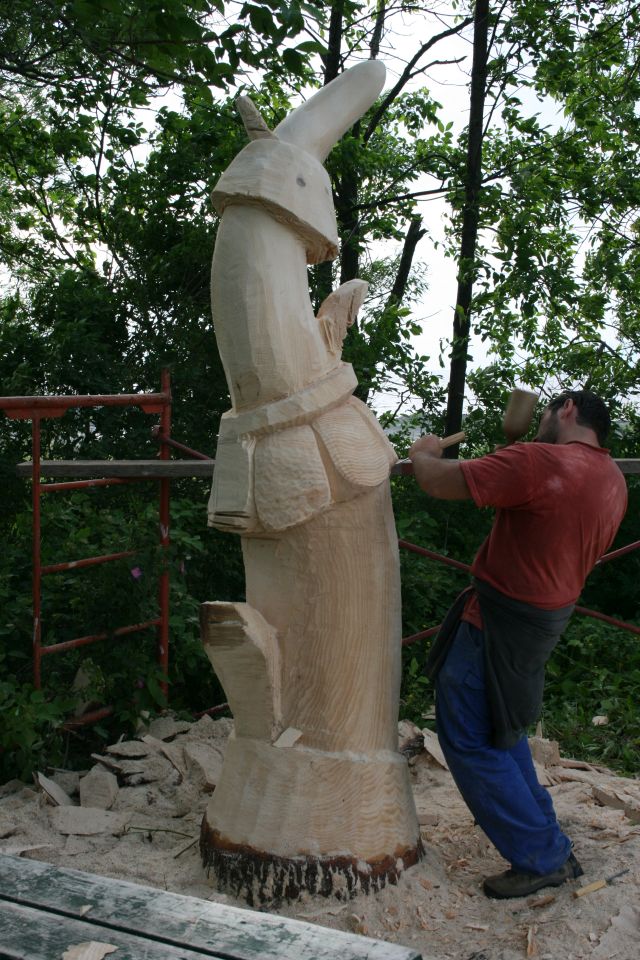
(243,650)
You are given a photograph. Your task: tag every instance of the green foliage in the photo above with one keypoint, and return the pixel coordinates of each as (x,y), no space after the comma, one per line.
(116,121)
(30,735)
(595,672)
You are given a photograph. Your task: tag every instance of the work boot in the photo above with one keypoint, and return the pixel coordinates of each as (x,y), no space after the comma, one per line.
(514,883)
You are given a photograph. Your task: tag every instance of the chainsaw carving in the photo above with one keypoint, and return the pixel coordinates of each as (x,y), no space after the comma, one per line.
(313,793)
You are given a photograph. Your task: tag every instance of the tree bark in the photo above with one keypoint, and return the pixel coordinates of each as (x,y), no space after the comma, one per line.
(470,219)
(414,235)
(323,272)
(412,238)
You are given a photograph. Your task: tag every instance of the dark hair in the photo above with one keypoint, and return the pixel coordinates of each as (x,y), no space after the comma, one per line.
(592,411)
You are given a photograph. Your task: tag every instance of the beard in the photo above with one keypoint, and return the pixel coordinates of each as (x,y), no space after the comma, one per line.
(548,432)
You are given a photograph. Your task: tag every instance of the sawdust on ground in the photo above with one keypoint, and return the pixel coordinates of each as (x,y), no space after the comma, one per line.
(158,788)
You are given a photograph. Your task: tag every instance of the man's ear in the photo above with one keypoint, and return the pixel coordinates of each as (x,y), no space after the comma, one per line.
(568,410)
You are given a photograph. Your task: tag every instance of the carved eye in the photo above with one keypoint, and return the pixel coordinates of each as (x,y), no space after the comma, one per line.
(301,182)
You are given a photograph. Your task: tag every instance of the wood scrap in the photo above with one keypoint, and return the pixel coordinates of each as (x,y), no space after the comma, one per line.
(99,788)
(149,770)
(545,752)
(616,797)
(89,950)
(54,794)
(541,901)
(131,749)
(545,778)
(564,774)
(109,763)
(288,737)
(428,819)
(87,821)
(583,765)
(410,739)
(532,946)
(204,763)
(172,751)
(433,748)
(166,728)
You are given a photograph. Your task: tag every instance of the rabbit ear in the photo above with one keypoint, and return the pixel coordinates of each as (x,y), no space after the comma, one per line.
(320,122)
(253,121)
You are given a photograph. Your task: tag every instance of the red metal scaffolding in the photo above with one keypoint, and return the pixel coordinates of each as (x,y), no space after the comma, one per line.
(37,409)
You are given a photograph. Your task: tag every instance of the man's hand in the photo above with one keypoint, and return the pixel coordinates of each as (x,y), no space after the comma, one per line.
(439,478)
(429,444)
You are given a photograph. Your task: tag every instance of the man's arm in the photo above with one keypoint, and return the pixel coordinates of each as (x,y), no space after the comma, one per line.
(439,478)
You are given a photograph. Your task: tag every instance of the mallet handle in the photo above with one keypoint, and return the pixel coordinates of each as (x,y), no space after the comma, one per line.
(404,468)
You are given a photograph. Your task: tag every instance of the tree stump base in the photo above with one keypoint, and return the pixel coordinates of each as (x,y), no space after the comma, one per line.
(260,878)
(332,817)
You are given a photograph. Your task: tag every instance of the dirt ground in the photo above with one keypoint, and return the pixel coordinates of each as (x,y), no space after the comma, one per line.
(144,800)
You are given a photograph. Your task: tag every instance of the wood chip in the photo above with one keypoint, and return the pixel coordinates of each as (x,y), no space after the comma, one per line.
(99,788)
(410,739)
(52,791)
(433,748)
(107,762)
(532,946)
(428,819)
(288,737)
(172,751)
(545,779)
(583,765)
(204,763)
(545,752)
(541,902)
(611,797)
(86,821)
(132,749)
(89,950)
(166,728)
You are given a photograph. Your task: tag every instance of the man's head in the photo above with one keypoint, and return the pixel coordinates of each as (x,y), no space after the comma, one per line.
(574,407)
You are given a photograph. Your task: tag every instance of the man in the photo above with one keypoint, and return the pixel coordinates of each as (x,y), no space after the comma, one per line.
(559,504)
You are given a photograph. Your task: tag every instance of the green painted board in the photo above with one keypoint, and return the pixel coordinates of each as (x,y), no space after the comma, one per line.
(206,928)
(30,934)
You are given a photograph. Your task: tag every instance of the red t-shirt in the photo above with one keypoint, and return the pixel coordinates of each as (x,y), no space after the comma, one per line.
(559,507)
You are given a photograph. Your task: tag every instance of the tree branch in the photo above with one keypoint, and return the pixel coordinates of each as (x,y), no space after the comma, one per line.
(406,75)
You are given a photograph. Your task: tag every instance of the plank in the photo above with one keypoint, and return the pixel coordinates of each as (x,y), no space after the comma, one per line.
(404,468)
(629,466)
(30,934)
(200,925)
(174,469)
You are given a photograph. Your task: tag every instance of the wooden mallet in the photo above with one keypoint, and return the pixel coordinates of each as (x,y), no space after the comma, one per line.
(515,423)
(519,414)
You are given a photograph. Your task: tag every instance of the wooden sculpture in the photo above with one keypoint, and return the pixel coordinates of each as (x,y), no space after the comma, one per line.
(313,794)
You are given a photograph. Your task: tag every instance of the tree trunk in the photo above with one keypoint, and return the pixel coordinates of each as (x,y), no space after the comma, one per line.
(414,234)
(323,272)
(470,218)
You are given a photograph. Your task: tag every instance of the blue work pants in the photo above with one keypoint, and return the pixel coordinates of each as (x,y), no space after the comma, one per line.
(500,787)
